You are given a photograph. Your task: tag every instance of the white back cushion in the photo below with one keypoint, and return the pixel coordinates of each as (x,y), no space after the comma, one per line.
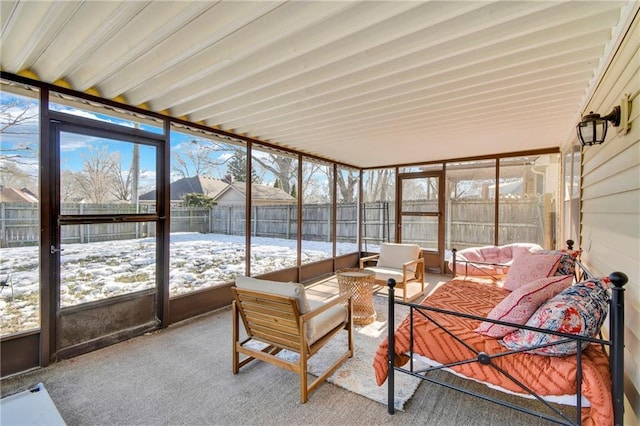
(276,287)
(394,255)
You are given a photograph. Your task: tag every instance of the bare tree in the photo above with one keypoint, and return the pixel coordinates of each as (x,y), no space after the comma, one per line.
(19,147)
(201,158)
(347,185)
(314,183)
(12,176)
(69,188)
(284,168)
(96,181)
(379,185)
(122,179)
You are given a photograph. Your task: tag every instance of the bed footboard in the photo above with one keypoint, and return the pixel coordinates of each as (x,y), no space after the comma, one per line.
(615,345)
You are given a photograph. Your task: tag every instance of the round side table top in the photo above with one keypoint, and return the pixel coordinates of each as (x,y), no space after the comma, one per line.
(355,273)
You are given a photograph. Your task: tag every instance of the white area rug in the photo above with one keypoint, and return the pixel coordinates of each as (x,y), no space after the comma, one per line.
(357,374)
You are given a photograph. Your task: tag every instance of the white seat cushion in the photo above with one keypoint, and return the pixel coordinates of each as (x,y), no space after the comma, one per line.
(326,321)
(383,274)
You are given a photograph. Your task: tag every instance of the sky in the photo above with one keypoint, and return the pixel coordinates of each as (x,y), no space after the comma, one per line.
(75,148)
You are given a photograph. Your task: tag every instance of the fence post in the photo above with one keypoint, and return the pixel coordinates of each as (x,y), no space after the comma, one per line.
(288,232)
(329,232)
(82,227)
(254,219)
(3,225)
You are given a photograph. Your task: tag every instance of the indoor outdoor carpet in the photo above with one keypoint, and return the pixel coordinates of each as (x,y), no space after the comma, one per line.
(357,374)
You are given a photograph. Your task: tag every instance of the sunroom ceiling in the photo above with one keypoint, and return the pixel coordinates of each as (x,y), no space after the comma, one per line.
(364,83)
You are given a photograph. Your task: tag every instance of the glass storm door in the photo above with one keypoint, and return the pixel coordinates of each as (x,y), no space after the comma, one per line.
(421,215)
(105,244)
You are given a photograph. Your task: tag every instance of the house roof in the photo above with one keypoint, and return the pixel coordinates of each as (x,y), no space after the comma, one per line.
(260,192)
(12,195)
(194,184)
(363,83)
(215,188)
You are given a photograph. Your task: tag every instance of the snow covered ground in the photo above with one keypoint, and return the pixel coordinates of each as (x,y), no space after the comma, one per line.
(100,270)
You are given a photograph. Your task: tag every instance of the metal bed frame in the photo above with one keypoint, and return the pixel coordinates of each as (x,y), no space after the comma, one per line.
(615,344)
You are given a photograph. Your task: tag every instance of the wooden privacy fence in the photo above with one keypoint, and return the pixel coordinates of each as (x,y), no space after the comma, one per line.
(280,221)
(469,223)
(19,222)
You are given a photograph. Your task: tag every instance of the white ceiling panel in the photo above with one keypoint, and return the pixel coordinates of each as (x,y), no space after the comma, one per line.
(367,83)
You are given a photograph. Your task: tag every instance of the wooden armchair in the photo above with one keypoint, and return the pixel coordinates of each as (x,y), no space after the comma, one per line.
(279,315)
(402,262)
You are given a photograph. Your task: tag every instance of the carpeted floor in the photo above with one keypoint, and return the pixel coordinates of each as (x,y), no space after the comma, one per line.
(355,374)
(182,375)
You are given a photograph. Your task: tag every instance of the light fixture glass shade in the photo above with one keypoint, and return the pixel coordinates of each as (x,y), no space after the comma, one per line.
(592,130)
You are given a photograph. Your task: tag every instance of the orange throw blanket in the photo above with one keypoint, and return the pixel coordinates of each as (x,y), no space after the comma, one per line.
(545,375)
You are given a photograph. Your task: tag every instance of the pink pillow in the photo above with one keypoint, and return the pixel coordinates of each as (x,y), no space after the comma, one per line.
(579,309)
(517,251)
(518,306)
(530,267)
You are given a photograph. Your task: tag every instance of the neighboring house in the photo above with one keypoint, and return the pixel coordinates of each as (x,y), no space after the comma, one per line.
(12,195)
(195,184)
(236,193)
(222,192)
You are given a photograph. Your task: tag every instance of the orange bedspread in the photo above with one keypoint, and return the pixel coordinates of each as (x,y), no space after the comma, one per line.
(545,375)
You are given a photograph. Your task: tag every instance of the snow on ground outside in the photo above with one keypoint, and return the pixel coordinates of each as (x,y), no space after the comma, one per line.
(99,270)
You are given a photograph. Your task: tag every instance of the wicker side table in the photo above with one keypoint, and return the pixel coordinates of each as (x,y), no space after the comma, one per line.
(359,283)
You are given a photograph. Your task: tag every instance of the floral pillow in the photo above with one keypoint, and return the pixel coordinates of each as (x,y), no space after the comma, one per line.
(530,267)
(520,304)
(567,262)
(580,309)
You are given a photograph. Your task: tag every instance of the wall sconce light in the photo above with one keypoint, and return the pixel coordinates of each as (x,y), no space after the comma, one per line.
(593,128)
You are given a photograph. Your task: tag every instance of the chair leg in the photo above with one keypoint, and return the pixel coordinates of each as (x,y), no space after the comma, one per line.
(304,391)
(236,338)
(350,328)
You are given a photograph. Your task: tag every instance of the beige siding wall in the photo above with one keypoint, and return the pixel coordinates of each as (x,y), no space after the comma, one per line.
(610,208)
(231,197)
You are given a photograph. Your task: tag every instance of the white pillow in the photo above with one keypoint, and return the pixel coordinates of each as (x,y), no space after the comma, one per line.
(288,289)
(280,288)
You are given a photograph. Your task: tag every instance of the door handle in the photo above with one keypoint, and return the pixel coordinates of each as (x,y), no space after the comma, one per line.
(55,250)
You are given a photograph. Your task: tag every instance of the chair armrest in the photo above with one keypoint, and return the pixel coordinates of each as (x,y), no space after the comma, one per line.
(411,262)
(366,259)
(419,268)
(327,305)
